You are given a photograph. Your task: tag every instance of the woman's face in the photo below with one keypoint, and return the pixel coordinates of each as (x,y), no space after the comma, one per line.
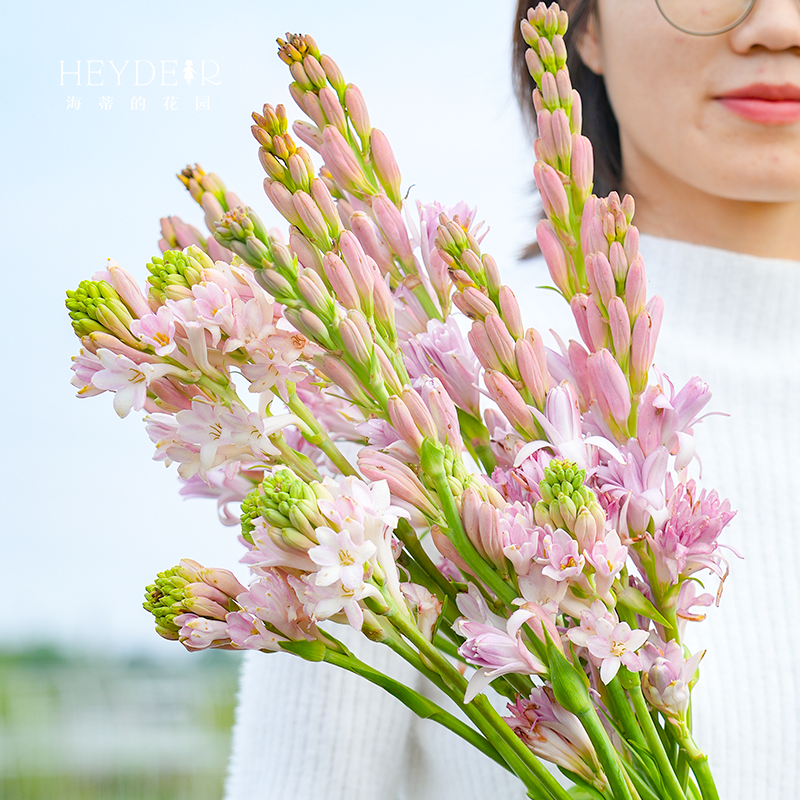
(718,114)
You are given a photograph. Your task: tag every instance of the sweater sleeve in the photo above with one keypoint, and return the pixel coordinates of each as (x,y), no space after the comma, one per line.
(314,730)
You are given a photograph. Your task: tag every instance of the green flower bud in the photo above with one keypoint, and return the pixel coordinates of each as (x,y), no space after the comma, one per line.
(175,268)
(96,306)
(287,503)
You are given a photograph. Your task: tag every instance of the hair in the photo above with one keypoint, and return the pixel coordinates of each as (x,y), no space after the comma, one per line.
(599,123)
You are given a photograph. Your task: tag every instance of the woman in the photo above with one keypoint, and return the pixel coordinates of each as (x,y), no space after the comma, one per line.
(703,127)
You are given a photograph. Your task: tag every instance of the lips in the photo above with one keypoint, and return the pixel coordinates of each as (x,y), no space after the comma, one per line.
(764,103)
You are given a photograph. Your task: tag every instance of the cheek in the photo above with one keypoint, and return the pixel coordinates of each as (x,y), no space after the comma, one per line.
(661,85)
(654,85)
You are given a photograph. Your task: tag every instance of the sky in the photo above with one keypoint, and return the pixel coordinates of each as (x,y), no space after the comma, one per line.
(97,118)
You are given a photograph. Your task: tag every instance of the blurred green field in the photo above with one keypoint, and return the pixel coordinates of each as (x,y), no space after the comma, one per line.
(80,728)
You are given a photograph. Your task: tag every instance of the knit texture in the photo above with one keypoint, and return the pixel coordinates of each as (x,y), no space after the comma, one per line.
(311,730)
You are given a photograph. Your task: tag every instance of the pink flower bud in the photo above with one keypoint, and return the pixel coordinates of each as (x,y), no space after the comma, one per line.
(511,403)
(578,362)
(385,164)
(357,109)
(309,134)
(314,71)
(419,412)
(300,75)
(309,324)
(403,483)
(393,228)
(333,73)
(582,166)
(382,299)
(562,136)
(618,261)
(298,172)
(490,536)
(356,260)
(339,373)
(576,112)
(310,216)
(632,244)
(600,277)
(127,288)
(585,529)
(598,327)
(359,349)
(448,550)
(530,371)
(281,198)
(222,579)
(510,312)
(341,280)
(551,190)
(564,87)
(390,377)
(443,413)
(620,324)
(546,143)
(372,242)
(635,287)
(274,169)
(529,34)
(554,256)
(580,305)
(403,423)
(308,255)
(478,302)
(492,273)
(342,162)
(313,290)
(610,387)
(471,503)
(482,346)
(327,207)
(333,109)
(311,105)
(501,341)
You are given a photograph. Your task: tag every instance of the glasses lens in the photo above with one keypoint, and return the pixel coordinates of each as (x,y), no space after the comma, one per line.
(705,17)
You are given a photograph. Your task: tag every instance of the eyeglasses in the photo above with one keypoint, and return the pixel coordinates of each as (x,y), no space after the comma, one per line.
(704,17)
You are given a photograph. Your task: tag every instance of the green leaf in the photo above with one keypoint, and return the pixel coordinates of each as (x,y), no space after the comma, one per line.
(634,600)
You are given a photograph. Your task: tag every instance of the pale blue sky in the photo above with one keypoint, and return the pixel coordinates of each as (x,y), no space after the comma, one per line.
(89,517)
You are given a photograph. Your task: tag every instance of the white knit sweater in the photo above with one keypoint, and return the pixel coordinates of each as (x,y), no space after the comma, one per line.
(313,731)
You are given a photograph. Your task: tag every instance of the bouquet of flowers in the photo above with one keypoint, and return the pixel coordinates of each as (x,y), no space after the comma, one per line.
(544,547)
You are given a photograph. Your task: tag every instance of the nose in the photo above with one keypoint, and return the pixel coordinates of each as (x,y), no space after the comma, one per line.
(772,25)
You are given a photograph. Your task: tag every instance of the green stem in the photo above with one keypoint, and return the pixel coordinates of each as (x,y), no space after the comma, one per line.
(320,436)
(642,787)
(607,755)
(432,460)
(522,761)
(624,713)
(698,761)
(654,743)
(407,535)
(427,304)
